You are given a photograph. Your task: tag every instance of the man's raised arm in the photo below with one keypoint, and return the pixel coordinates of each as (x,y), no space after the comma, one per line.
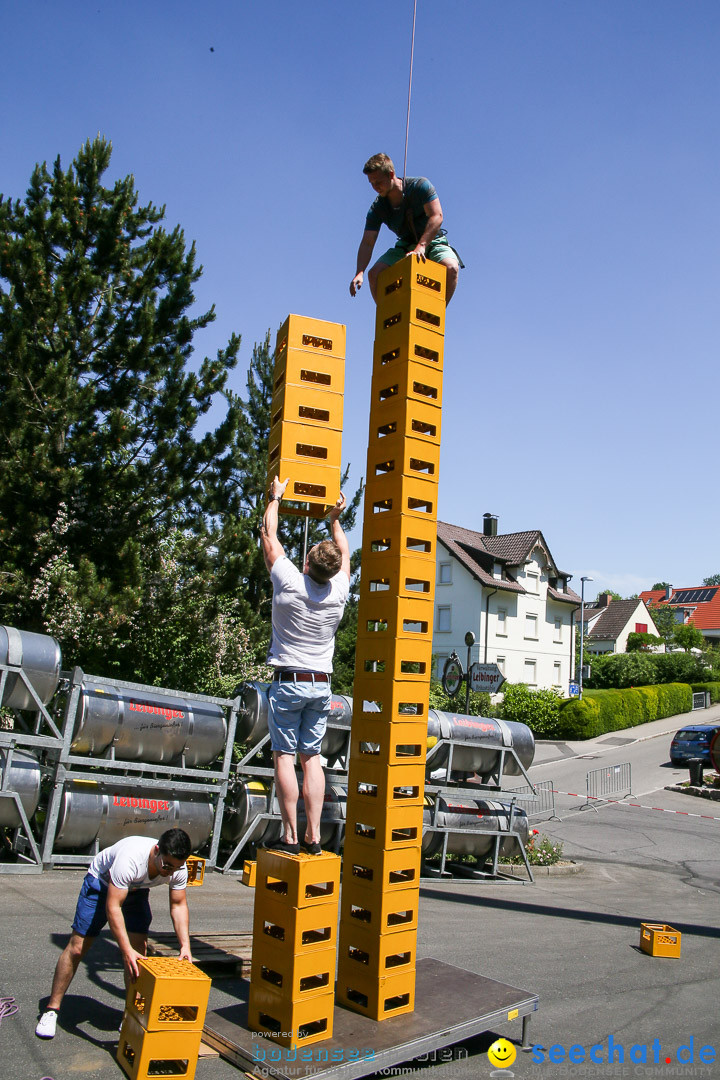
(338,533)
(272,548)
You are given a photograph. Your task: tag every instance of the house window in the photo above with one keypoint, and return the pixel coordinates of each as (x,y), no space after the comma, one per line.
(558,631)
(531,630)
(532,583)
(500,661)
(497,571)
(557,675)
(502,622)
(641,628)
(529,676)
(445,573)
(443,619)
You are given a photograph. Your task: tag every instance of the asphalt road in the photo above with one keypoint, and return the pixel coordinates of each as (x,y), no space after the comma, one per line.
(572,940)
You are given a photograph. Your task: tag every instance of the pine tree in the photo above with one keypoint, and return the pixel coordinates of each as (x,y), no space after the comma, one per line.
(99,455)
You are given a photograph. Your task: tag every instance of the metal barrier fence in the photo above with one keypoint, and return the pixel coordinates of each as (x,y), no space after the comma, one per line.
(614,781)
(538,801)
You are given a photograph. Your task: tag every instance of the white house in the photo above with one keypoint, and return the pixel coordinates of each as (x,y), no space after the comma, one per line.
(508,591)
(609,623)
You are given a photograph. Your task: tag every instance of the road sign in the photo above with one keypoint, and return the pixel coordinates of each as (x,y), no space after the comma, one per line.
(574,689)
(486,677)
(452,675)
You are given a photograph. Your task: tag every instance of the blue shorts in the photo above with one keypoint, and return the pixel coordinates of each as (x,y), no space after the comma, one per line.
(297,716)
(91,916)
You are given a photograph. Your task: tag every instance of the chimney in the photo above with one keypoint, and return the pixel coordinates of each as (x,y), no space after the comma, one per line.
(604,599)
(668,591)
(490,525)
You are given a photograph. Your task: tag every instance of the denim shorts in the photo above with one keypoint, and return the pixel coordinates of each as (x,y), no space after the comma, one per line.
(91,916)
(297,716)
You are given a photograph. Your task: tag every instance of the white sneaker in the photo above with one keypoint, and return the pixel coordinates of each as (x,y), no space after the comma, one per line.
(46,1025)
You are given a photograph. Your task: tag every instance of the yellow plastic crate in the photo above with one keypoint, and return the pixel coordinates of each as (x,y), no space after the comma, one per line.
(168,995)
(406,456)
(249,874)
(381,784)
(402,658)
(659,939)
(415,496)
(396,346)
(381,912)
(195,869)
(392,870)
(299,881)
(381,826)
(311,335)
(405,416)
(391,534)
(299,930)
(290,1023)
(397,743)
(307,405)
(370,955)
(296,977)
(143,1054)
(377,998)
(413,275)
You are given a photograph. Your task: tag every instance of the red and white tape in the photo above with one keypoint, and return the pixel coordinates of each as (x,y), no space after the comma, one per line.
(641,806)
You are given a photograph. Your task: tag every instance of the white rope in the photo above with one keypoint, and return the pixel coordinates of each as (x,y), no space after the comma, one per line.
(412,55)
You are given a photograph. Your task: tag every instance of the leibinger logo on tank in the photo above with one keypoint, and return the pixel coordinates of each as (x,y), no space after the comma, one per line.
(612,1058)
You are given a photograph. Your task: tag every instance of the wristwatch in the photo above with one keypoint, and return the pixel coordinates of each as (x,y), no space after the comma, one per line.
(274,498)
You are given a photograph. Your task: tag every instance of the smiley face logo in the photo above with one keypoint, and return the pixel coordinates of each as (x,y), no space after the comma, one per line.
(502,1054)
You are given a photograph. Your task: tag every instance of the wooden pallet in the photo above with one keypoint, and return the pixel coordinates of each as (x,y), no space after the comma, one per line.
(225,954)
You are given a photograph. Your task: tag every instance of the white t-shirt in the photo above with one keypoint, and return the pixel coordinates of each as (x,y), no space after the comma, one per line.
(125,864)
(305,616)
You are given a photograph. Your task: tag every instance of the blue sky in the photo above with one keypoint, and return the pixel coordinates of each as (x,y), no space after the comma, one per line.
(574,146)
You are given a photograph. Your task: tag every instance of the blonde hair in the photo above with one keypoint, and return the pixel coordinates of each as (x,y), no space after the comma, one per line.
(324,561)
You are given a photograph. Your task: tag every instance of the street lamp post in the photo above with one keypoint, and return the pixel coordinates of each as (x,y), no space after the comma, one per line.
(582,628)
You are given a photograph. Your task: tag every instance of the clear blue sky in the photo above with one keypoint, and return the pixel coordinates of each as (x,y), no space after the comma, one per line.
(574,146)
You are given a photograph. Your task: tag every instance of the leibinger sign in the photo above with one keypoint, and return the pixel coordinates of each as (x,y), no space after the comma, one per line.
(635,1059)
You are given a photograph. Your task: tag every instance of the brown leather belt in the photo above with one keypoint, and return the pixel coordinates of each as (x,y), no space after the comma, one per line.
(301,676)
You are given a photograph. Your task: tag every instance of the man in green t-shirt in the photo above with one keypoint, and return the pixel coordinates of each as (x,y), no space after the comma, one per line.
(410,207)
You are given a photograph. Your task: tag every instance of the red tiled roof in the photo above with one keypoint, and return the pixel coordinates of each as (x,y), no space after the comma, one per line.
(704,615)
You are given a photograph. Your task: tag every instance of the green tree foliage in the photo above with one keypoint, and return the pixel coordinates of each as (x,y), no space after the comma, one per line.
(539,709)
(688,637)
(613,595)
(98,442)
(642,642)
(664,618)
(661,585)
(713,579)
(479,703)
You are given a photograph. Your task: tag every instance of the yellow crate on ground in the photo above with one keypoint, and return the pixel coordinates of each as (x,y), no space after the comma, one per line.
(168,995)
(659,939)
(249,874)
(195,869)
(143,1054)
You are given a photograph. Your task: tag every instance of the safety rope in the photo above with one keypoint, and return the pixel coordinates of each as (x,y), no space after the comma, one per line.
(412,55)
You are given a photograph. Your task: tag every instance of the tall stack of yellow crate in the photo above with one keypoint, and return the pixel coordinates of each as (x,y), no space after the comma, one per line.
(306,413)
(163,1021)
(294,947)
(381,862)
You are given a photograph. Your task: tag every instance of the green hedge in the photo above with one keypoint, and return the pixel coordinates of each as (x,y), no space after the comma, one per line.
(703,687)
(612,710)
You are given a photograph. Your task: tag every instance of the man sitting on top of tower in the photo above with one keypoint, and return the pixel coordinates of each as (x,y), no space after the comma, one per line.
(410,207)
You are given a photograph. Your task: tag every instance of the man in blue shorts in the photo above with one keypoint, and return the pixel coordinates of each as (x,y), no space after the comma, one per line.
(410,207)
(115,891)
(306,611)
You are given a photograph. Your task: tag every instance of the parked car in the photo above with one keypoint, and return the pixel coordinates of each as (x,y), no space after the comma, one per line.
(692,741)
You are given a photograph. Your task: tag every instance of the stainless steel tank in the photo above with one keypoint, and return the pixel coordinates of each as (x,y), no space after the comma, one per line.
(39,657)
(482,760)
(461,813)
(252,799)
(24,779)
(142,725)
(90,810)
(252,724)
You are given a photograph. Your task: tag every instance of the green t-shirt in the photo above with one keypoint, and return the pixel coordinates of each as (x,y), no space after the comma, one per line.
(408,220)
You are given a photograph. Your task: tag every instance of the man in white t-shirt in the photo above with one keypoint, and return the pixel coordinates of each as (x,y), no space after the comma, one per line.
(115,891)
(306,611)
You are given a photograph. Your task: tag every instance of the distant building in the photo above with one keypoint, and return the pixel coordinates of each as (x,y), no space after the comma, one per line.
(509,592)
(609,623)
(698,604)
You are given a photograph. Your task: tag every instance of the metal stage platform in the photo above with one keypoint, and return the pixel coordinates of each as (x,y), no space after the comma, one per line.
(451,1005)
